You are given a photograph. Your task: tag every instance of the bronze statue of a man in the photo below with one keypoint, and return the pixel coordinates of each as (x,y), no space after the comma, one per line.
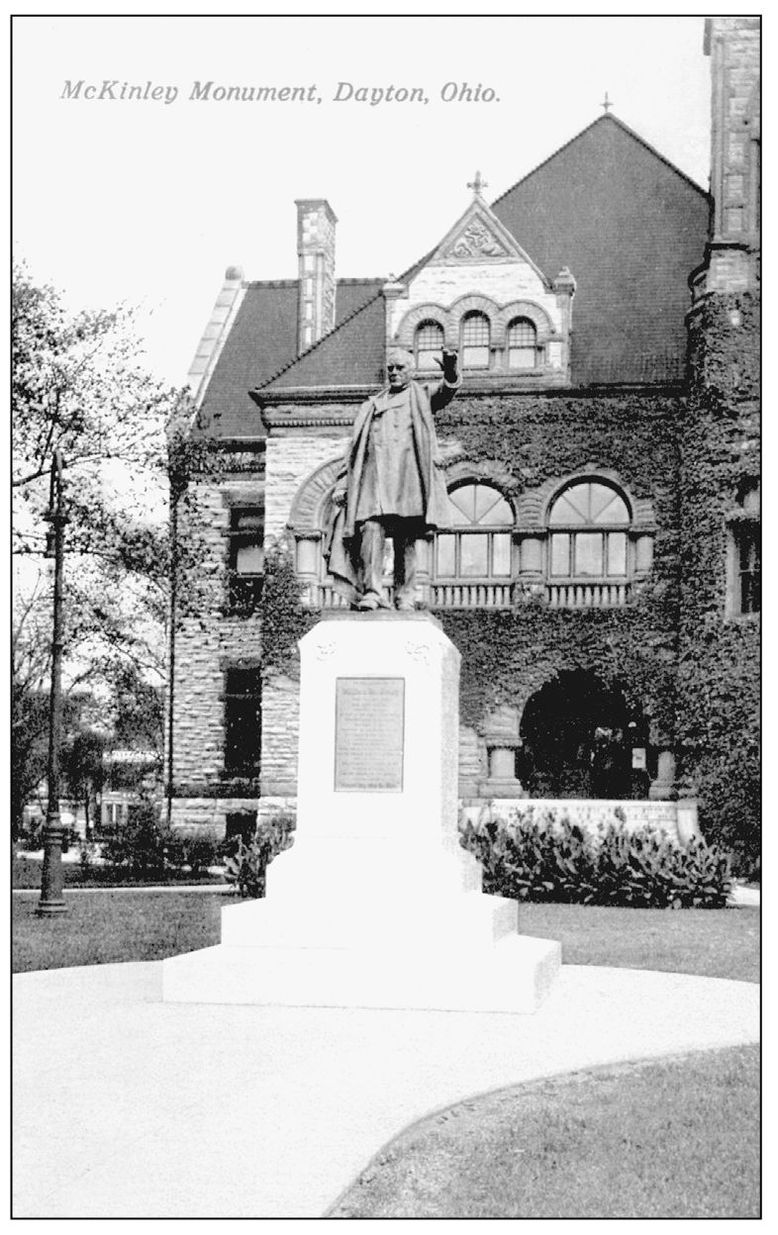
(390,484)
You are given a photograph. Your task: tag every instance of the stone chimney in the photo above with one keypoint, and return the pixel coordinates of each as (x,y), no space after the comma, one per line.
(316,266)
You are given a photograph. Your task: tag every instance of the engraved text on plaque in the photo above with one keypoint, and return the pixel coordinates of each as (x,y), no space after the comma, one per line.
(369,733)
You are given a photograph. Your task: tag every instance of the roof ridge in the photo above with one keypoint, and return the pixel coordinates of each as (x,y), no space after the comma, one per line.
(662,158)
(349,317)
(302,355)
(576,136)
(417,265)
(350,279)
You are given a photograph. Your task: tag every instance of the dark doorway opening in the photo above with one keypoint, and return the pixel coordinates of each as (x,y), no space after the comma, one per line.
(577,740)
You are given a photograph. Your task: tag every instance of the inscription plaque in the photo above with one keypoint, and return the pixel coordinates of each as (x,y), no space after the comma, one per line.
(369,735)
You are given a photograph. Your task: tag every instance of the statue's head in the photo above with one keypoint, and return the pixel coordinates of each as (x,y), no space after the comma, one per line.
(399,368)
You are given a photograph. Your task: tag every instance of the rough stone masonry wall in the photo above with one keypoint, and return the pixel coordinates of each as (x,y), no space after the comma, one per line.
(207,640)
(735,52)
(280,735)
(443,283)
(290,460)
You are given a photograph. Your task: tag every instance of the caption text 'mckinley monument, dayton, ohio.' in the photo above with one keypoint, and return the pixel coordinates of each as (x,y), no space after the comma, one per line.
(594,549)
(112,90)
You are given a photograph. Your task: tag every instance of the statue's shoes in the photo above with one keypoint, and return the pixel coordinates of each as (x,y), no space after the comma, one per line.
(404,605)
(370,601)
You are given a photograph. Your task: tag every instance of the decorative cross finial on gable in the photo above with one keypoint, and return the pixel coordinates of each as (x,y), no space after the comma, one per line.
(606,104)
(478,184)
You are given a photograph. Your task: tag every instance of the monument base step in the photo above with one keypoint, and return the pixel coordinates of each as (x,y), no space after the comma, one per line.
(441,923)
(513,975)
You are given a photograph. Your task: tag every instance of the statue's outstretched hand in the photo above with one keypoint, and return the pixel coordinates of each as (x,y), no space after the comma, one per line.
(449,364)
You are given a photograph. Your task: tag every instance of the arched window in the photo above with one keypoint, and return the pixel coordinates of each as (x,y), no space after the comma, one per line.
(428,345)
(589,543)
(477,544)
(522,344)
(475,341)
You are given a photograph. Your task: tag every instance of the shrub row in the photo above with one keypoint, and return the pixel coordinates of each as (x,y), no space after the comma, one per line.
(247,867)
(143,846)
(539,857)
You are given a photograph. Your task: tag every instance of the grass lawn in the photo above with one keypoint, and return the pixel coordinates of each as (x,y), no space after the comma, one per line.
(673,1138)
(103,926)
(114,926)
(716,943)
(678,1138)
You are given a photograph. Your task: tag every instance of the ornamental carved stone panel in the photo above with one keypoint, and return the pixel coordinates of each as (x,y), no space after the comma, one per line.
(476,240)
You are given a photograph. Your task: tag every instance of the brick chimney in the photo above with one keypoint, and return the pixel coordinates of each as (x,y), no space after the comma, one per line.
(316,265)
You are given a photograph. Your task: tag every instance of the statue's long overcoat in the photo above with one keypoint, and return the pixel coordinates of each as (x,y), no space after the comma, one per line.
(435,507)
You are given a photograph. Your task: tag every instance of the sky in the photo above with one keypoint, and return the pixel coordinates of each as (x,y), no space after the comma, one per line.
(146,202)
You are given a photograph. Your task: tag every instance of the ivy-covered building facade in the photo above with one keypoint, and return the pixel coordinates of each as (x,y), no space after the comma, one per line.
(599,572)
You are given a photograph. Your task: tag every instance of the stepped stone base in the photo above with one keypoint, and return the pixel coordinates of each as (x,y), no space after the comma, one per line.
(376,905)
(514,975)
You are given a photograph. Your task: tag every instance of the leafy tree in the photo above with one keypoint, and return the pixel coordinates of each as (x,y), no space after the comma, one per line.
(84,770)
(30,653)
(138,718)
(29,748)
(78,385)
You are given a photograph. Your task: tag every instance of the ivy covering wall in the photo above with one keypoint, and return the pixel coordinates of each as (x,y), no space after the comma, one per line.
(509,655)
(719,670)
(693,674)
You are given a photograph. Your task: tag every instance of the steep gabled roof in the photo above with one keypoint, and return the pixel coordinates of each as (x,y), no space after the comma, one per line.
(350,355)
(628,224)
(631,227)
(262,341)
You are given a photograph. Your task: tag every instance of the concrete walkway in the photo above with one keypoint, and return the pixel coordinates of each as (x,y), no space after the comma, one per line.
(128,1107)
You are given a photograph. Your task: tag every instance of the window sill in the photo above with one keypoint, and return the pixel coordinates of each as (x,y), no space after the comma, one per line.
(244,776)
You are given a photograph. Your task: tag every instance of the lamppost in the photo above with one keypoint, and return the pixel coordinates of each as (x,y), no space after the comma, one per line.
(52,901)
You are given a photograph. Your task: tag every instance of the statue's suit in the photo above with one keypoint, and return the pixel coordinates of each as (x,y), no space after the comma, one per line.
(391,475)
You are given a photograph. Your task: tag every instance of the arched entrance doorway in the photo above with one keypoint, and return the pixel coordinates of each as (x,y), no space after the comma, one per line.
(577,740)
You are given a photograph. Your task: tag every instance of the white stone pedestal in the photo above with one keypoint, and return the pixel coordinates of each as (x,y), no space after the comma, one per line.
(376,904)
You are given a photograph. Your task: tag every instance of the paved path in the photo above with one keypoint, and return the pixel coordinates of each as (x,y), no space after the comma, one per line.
(128,1107)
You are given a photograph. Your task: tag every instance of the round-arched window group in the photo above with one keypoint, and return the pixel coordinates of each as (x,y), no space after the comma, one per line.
(583,547)
(587,535)
(475,342)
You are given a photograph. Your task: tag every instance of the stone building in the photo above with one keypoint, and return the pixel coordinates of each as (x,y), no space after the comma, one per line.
(602,554)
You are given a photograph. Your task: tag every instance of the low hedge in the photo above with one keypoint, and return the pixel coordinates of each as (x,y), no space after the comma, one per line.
(539,857)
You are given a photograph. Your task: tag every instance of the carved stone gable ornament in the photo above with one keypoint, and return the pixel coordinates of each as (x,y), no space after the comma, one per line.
(476,240)
(478,236)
